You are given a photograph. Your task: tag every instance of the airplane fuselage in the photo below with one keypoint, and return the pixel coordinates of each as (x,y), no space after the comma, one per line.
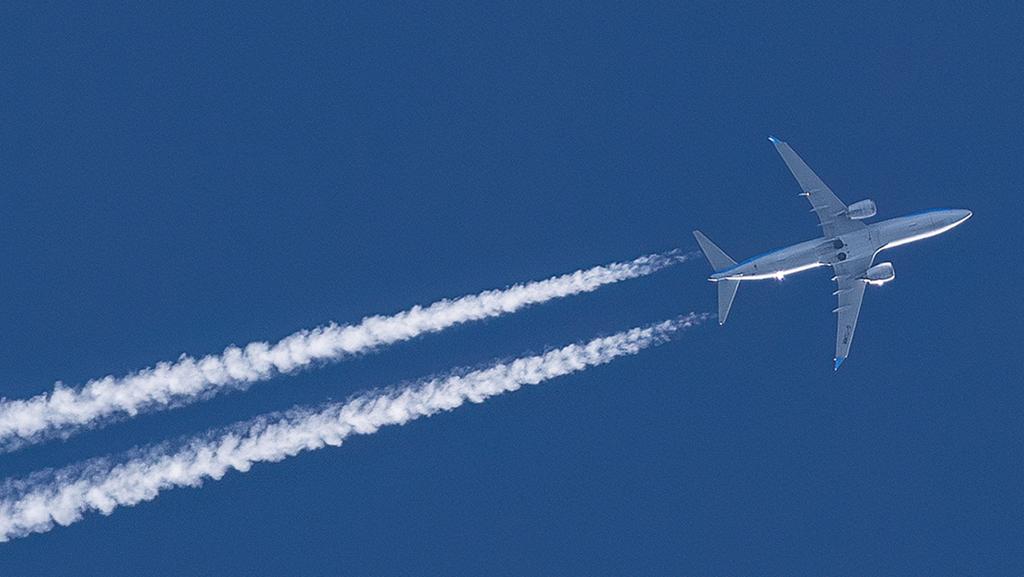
(824,251)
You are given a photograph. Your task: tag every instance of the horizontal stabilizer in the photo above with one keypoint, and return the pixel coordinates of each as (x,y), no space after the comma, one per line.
(718,259)
(726,292)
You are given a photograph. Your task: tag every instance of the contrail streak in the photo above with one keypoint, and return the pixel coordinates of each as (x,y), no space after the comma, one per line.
(169,384)
(35,505)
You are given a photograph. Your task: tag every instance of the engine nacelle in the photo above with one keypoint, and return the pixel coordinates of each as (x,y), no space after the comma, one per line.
(880,274)
(861,210)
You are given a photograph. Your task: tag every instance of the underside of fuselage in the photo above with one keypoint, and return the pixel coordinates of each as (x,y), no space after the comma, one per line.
(780,263)
(770,273)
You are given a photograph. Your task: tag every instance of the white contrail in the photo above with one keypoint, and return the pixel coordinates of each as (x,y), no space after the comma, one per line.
(63,410)
(35,505)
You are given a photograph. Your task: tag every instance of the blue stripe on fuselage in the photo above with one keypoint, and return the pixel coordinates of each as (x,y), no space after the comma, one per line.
(929,211)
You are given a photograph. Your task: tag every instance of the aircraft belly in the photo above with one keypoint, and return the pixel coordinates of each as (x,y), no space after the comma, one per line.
(780,263)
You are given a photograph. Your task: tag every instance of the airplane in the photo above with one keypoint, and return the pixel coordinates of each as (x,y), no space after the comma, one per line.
(848,245)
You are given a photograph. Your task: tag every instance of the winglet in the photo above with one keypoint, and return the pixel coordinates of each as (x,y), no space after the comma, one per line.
(839,361)
(774,140)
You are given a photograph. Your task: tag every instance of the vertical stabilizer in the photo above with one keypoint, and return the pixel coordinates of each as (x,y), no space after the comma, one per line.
(719,262)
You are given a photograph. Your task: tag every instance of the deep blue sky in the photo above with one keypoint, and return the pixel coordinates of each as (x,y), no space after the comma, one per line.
(176,180)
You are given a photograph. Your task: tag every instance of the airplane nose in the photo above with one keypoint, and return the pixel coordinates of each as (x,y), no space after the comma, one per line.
(960,215)
(957,216)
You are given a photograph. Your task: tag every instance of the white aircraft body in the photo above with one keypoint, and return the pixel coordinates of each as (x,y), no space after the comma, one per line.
(847,244)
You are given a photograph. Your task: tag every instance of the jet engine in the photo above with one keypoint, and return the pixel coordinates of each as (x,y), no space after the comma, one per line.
(861,210)
(880,274)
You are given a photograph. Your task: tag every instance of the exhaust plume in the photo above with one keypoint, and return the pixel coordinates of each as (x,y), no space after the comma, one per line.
(36,504)
(63,410)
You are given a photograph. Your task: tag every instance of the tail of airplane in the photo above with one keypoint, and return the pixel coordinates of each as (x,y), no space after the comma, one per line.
(719,262)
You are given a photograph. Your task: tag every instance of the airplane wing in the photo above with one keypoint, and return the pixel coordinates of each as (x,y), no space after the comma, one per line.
(850,293)
(830,210)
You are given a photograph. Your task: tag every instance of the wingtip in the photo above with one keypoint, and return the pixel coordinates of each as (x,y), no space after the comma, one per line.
(839,361)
